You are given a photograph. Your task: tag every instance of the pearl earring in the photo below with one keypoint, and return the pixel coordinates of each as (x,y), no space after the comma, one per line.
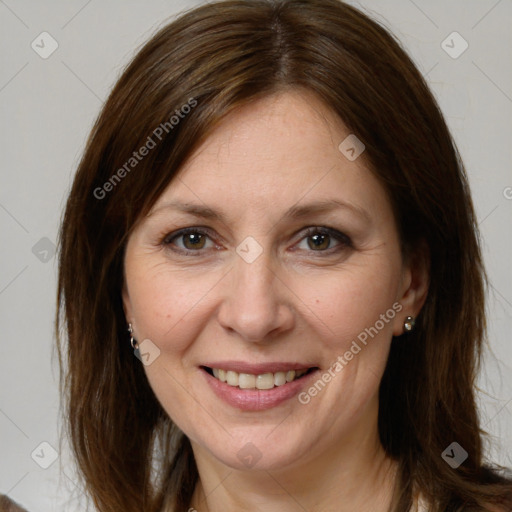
(409,323)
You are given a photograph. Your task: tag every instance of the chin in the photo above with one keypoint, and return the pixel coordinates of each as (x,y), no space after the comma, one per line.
(257,448)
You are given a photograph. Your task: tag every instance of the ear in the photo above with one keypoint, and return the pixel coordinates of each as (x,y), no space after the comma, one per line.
(414,286)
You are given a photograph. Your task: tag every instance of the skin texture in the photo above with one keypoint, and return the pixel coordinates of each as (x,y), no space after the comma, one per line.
(295,302)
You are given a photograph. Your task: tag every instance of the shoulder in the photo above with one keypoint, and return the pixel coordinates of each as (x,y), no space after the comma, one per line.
(7,505)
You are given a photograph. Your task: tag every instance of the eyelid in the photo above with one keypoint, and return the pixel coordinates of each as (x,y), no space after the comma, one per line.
(343,239)
(202,230)
(325,230)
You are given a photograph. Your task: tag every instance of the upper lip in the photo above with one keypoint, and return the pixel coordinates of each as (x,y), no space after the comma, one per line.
(258,368)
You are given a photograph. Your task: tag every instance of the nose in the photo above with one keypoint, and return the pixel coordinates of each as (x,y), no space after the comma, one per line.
(257,304)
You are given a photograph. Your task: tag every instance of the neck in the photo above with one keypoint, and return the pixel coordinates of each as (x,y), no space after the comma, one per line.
(354,474)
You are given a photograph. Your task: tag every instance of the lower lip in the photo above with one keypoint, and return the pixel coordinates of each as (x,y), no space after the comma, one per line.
(257,399)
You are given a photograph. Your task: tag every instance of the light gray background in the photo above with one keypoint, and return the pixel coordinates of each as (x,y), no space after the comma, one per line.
(47,110)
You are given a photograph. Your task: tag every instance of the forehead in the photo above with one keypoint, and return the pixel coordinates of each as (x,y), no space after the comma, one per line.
(289,128)
(274,153)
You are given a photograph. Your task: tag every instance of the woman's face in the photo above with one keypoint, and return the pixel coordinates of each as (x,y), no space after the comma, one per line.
(290,262)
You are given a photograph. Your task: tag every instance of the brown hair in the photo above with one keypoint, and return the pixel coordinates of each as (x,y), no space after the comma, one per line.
(216,58)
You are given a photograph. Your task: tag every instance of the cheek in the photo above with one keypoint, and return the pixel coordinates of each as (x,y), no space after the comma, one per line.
(167,305)
(346,303)
(352,316)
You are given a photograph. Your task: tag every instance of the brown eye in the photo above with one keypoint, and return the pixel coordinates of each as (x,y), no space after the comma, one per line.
(188,240)
(193,240)
(319,241)
(323,239)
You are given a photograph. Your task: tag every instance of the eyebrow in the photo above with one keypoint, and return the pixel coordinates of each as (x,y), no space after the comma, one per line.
(295,212)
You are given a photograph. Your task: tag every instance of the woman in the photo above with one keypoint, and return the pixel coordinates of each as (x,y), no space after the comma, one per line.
(270,276)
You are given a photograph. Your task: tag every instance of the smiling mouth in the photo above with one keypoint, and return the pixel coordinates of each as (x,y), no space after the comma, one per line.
(263,381)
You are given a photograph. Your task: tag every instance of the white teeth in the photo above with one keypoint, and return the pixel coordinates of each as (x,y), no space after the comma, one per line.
(265,381)
(262,381)
(290,375)
(246,381)
(232,378)
(279,378)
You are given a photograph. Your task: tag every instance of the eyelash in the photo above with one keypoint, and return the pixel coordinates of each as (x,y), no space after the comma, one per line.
(344,240)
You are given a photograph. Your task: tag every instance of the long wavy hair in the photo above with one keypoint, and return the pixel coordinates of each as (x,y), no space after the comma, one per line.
(220,57)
